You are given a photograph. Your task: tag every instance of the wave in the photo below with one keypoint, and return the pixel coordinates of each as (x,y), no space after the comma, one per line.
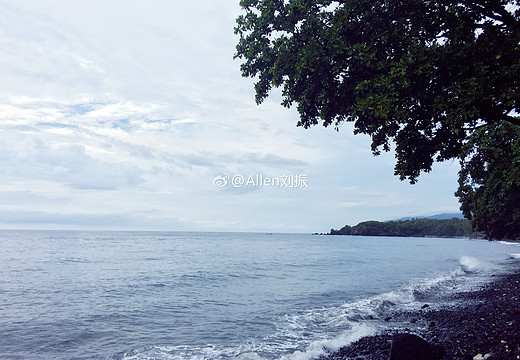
(514,243)
(371,312)
(172,353)
(469,264)
(254,351)
(308,334)
(322,347)
(421,290)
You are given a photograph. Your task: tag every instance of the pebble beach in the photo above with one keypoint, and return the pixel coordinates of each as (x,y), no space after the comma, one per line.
(482,324)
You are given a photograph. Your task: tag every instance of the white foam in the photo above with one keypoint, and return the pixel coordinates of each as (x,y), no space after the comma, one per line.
(252,351)
(515,256)
(398,297)
(174,353)
(321,331)
(509,243)
(249,356)
(322,347)
(409,295)
(470,264)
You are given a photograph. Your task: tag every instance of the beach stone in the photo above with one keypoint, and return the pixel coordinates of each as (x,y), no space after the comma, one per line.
(412,347)
(481,357)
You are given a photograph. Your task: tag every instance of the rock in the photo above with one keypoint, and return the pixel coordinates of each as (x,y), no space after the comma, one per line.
(425,306)
(388,318)
(481,357)
(412,347)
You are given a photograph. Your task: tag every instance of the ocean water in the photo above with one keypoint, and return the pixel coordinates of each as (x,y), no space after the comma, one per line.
(182,295)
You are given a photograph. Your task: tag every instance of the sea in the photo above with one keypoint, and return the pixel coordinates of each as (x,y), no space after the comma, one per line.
(199,295)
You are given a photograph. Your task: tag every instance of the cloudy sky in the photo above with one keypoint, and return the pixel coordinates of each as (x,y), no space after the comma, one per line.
(132,114)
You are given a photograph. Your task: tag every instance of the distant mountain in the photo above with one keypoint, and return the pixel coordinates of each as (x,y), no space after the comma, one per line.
(447,216)
(442,216)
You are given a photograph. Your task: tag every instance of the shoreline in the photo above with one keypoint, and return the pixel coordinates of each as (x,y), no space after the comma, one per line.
(484,321)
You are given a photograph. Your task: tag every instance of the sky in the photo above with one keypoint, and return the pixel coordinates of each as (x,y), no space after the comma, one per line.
(133,115)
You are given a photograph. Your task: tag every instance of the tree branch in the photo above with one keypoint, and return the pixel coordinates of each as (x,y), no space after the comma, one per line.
(495,11)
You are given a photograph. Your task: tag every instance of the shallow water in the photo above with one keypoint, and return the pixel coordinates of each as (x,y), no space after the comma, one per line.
(179,295)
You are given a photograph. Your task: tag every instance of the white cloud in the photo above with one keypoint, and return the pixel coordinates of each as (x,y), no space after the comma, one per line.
(114,116)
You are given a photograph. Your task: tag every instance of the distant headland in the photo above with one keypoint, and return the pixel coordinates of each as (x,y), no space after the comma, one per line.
(434,226)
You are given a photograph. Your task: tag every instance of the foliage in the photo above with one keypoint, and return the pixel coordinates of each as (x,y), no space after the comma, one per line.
(489,181)
(416,227)
(425,75)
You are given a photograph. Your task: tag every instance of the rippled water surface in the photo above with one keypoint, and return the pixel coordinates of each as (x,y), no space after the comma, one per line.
(180,295)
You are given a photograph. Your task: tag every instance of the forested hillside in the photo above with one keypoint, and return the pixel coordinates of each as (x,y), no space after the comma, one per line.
(414,227)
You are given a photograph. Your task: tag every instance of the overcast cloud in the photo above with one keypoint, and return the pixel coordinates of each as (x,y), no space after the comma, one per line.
(120,115)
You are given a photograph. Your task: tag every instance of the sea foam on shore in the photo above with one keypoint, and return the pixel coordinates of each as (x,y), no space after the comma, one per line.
(482,321)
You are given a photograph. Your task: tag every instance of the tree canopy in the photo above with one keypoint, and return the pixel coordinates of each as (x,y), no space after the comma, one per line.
(489,181)
(431,77)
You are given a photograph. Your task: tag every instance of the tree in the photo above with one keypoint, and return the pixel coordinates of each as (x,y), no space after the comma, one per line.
(414,227)
(425,75)
(489,180)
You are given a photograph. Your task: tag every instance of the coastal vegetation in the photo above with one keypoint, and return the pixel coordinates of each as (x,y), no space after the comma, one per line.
(430,80)
(415,227)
